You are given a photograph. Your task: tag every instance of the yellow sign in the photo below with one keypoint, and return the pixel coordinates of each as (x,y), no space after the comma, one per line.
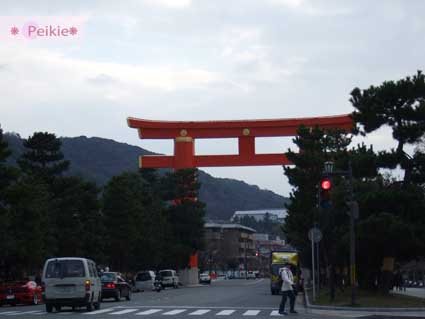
(284,257)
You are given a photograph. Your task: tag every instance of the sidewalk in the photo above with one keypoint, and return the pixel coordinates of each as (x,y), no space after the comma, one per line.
(350,312)
(413,292)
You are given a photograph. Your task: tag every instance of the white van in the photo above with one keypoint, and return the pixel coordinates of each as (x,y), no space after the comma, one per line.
(144,280)
(169,278)
(72,282)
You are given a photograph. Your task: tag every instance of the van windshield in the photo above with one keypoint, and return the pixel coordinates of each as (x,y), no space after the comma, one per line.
(166,273)
(65,269)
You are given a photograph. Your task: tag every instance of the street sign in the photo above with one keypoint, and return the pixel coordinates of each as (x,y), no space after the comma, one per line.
(315,234)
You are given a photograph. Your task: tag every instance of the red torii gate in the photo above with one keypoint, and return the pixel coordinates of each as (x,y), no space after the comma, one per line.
(184,134)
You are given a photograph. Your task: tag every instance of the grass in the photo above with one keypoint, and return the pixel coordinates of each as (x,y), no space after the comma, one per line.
(367,299)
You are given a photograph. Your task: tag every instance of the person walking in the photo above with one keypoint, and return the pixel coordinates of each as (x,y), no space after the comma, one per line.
(287,290)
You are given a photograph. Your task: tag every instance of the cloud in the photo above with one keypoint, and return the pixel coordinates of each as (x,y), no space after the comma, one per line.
(314,8)
(172,4)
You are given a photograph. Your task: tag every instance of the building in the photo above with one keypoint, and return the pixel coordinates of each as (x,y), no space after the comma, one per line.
(277,215)
(228,247)
(264,246)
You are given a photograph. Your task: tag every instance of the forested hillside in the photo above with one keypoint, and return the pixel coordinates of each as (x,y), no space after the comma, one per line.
(99,159)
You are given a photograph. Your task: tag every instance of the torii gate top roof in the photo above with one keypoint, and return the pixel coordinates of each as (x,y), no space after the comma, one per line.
(234,128)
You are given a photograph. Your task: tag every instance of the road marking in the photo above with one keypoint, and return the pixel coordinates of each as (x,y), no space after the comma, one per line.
(251,312)
(257,281)
(199,312)
(225,312)
(174,312)
(123,312)
(275,313)
(9,312)
(98,311)
(25,313)
(148,312)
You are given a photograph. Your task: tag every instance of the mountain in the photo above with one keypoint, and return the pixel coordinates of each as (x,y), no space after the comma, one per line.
(99,159)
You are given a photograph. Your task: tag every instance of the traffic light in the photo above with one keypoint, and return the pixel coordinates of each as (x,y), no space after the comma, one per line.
(325,188)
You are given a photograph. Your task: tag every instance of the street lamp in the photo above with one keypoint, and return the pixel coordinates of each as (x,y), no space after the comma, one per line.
(329,167)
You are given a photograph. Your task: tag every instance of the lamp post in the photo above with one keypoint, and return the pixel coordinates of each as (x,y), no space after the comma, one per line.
(353,213)
(329,167)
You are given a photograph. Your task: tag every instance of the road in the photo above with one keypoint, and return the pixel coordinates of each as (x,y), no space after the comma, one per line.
(221,299)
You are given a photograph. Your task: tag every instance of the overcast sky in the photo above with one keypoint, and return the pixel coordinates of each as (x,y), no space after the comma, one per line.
(201,60)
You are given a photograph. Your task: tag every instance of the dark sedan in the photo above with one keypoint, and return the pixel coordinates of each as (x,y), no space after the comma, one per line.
(114,286)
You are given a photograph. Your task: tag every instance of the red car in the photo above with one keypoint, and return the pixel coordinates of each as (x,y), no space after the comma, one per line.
(20,293)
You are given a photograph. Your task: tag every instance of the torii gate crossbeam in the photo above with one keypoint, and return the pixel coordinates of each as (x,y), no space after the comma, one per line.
(184,134)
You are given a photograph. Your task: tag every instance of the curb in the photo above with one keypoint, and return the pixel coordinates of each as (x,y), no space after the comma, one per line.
(308,305)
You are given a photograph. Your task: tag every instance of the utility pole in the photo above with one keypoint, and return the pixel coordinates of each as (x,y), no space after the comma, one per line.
(245,260)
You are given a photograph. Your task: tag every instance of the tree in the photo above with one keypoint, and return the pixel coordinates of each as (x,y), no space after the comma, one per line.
(28,212)
(8,176)
(77,218)
(401,106)
(184,216)
(43,156)
(390,206)
(133,214)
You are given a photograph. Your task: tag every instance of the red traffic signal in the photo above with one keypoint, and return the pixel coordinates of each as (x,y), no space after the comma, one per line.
(326,184)
(325,192)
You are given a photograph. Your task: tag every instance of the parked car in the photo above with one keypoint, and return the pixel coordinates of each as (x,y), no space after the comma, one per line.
(114,286)
(250,275)
(23,292)
(144,280)
(205,278)
(169,278)
(71,281)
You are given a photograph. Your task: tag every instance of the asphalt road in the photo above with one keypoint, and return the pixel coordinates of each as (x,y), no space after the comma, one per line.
(222,299)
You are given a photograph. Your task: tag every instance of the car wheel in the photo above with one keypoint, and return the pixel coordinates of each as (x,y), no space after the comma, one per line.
(49,307)
(97,305)
(128,295)
(118,296)
(35,299)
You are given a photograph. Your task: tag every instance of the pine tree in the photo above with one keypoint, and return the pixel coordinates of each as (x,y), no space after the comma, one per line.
(43,156)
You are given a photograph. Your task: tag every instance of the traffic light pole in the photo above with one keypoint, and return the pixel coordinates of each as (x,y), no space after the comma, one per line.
(352,238)
(354,211)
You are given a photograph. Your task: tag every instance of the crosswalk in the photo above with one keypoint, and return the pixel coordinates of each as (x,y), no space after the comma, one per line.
(147,312)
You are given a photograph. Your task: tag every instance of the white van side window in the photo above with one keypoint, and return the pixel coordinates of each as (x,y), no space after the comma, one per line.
(91,269)
(96,274)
